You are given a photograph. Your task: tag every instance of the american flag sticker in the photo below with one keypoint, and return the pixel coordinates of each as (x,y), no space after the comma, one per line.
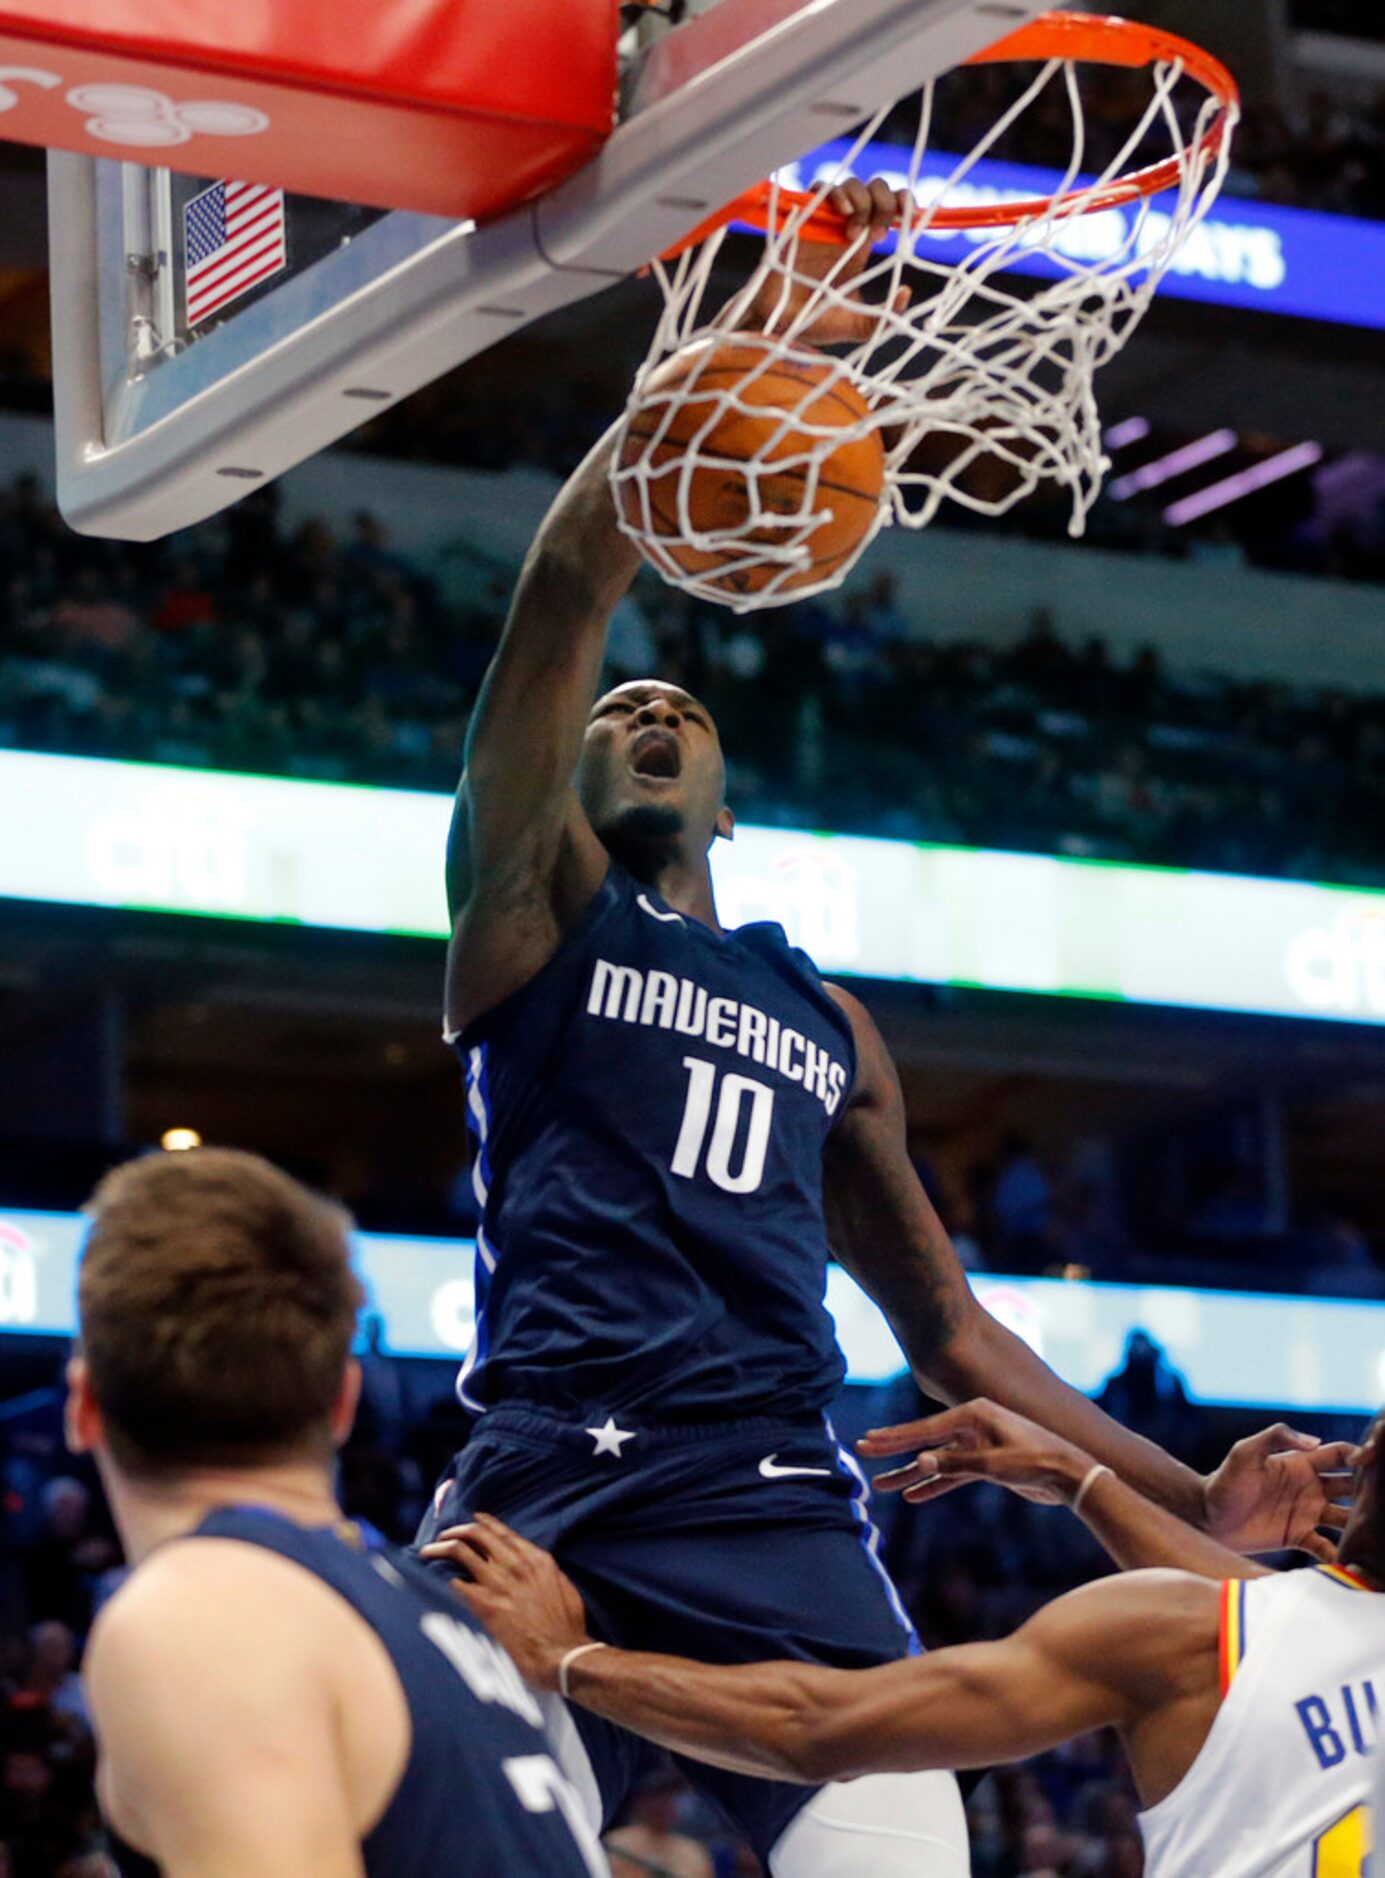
(235,238)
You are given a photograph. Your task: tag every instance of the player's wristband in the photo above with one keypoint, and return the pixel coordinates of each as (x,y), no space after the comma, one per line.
(1089,1480)
(568,1661)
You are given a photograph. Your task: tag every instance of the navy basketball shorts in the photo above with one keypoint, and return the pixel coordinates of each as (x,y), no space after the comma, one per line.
(734,1543)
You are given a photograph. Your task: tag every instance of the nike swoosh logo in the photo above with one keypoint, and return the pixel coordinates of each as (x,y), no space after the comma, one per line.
(669,919)
(770,1470)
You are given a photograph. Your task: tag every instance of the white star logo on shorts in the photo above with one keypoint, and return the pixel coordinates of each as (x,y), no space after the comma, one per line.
(608,1437)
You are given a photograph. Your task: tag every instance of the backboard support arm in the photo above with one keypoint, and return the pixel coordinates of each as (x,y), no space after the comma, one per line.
(711,106)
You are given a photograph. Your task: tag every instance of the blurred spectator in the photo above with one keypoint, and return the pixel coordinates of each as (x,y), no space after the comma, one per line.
(74,1546)
(1340,1262)
(1148,1393)
(1020,1204)
(344,663)
(651,1840)
(185,602)
(52,1683)
(89,616)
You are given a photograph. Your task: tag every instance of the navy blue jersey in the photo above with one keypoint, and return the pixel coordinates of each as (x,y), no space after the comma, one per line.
(742,1542)
(480,1794)
(649,1114)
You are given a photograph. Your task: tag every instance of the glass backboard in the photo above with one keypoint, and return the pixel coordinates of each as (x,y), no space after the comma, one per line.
(174,398)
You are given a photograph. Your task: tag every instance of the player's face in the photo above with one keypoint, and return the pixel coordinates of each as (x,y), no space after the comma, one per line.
(651,767)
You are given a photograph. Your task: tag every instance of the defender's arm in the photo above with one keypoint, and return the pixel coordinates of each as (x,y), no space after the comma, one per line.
(982,1441)
(1109,1654)
(522,861)
(885,1232)
(1101,1657)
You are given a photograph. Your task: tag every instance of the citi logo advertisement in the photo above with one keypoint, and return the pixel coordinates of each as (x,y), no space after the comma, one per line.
(1338,969)
(19,1256)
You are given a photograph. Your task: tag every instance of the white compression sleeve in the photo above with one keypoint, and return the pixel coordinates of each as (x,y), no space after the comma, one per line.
(887,1825)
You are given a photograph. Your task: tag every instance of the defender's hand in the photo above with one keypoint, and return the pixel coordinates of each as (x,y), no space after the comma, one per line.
(1274,1490)
(519,1594)
(870,210)
(977,1441)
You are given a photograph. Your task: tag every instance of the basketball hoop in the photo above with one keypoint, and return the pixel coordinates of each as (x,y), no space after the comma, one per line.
(982,392)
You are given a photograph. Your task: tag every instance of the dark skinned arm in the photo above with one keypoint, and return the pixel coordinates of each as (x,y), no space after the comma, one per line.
(1112,1654)
(973,1706)
(522,860)
(982,1441)
(885,1232)
(1273,1491)
(1282,1486)
(1140,1535)
(523,863)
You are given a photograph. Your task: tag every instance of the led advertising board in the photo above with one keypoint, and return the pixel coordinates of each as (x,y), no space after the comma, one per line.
(1245,254)
(88,832)
(1260,1351)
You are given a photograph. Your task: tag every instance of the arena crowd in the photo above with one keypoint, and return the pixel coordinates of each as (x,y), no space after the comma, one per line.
(1323,153)
(243,647)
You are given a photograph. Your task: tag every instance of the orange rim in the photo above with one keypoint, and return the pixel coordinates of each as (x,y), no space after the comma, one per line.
(1083,38)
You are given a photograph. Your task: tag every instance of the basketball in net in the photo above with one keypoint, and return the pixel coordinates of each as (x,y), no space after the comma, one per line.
(977,385)
(744,463)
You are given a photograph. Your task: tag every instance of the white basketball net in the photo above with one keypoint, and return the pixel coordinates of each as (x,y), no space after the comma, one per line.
(1002,370)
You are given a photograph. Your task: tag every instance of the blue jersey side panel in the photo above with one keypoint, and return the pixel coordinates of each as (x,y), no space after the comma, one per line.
(649,1114)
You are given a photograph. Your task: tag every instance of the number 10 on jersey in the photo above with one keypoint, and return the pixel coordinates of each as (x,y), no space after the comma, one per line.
(730,1096)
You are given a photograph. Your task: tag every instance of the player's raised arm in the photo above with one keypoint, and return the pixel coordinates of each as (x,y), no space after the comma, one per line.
(522,861)
(886,1233)
(1115,1653)
(218,1759)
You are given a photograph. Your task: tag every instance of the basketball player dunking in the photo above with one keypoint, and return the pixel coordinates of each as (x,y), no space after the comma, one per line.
(1247,1700)
(660,1108)
(276,1690)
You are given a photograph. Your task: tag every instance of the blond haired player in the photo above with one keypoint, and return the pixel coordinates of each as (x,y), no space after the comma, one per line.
(1246,1699)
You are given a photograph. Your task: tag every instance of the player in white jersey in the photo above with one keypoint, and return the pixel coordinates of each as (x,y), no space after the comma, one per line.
(1247,1699)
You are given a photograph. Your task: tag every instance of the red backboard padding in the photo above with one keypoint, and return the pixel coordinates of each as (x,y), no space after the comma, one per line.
(456,107)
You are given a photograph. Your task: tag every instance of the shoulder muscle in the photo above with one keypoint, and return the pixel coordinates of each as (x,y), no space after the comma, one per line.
(512,921)
(1144,1633)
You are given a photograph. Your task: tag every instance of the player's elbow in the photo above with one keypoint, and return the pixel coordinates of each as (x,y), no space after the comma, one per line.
(958,1361)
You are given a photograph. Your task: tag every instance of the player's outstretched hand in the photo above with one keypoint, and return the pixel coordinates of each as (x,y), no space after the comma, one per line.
(1276,1490)
(977,1441)
(518,1592)
(824,275)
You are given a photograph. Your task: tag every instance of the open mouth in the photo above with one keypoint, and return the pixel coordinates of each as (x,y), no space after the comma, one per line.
(656,753)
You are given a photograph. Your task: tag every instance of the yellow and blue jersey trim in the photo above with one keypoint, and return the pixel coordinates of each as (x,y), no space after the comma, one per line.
(1345,1575)
(1232,1649)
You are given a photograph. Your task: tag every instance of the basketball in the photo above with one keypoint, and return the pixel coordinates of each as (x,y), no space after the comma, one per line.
(712,408)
